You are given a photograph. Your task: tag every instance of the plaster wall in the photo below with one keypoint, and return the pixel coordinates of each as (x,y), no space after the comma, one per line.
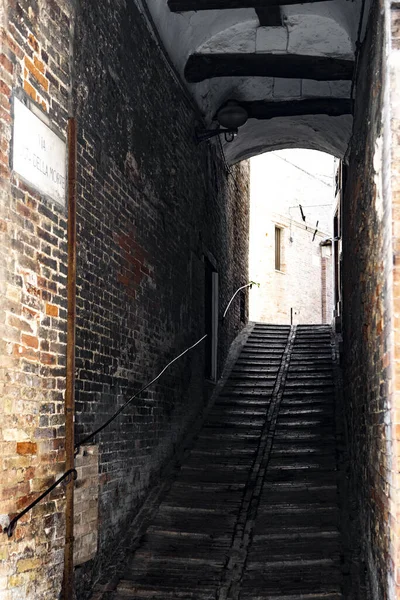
(280,182)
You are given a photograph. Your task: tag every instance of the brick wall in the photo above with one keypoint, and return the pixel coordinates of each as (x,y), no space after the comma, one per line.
(368,325)
(34,61)
(151,205)
(391,184)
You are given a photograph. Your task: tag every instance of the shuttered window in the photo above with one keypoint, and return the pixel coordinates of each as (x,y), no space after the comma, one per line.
(278,246)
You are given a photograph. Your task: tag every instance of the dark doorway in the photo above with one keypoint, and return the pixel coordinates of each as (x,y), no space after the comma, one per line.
(211,319)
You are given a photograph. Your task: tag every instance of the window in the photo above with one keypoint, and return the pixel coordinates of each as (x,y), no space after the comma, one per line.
(278,249)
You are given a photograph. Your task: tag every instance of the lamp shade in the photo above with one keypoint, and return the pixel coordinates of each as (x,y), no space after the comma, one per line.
(232,115)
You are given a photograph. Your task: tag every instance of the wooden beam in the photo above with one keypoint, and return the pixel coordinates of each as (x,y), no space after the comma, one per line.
(288,66)
(189,5)
(269,17)
(333,107)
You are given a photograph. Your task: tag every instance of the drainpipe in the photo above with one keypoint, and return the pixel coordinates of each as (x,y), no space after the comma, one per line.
(68,583)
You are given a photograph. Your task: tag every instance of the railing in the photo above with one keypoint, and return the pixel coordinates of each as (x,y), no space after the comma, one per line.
(10,529)
(72,472)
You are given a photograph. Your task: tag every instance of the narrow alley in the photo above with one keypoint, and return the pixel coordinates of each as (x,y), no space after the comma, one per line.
(168,352)
(253,512)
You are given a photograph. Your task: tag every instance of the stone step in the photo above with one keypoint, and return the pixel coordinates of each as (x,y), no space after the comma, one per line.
(295,547)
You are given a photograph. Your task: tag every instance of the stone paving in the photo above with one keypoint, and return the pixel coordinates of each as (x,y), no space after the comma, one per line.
(253,511)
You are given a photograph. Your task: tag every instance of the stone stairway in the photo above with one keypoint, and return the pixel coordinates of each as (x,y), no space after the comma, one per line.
(253,512)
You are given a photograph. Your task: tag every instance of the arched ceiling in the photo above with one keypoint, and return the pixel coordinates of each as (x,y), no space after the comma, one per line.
(290,65)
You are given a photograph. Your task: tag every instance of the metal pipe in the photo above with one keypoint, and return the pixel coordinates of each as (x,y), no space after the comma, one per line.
(68,583)
(10,529)
(250,284)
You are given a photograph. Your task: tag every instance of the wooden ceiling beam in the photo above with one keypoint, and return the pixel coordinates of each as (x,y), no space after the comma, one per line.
(194,5)
(287,66)
(333,107)
(270,17)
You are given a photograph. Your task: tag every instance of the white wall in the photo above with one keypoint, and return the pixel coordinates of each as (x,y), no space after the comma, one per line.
(280,181)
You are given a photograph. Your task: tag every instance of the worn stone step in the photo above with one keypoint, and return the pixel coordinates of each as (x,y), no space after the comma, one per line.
(293,393)
(307,403)
(227,411)
(299,494)
(261,346)
(255,371)
(198,583)
(308,372)
(307,376)
(299,577)
(294,547)
(253,375)
(324,596)
(312,383)
(316,462)
(207,454)
(217,461)
(210,549)
(248,393)
(300,450)
(285,433)
(262,350)
(215,476)
(190,497)
(222,435)
(229,421)
(305,421)
(325,410)
(302,478)
(193,521)
(244,385)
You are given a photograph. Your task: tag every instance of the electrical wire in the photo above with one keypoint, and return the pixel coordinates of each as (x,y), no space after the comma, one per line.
(304,171)
(309,206)
(119,411)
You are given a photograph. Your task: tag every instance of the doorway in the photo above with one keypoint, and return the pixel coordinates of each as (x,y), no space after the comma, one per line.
(211,320)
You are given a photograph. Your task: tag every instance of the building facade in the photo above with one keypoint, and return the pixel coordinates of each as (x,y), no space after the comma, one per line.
(291,237)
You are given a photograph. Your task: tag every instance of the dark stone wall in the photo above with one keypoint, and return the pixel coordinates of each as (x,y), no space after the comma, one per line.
(367,321)
(151,204)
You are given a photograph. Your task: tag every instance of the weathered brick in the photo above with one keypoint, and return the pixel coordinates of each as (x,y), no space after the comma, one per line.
(6,63)
(40,78)
(52,310)
(26,448)
(30,90)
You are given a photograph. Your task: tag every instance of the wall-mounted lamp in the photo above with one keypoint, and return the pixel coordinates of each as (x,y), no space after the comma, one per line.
(230,117)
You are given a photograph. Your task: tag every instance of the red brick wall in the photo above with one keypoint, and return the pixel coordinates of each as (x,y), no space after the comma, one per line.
(392,156)
(32,311)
